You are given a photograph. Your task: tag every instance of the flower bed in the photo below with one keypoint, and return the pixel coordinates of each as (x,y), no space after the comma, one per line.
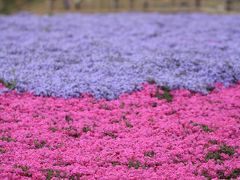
(97,117)
(150,134)
(107,55)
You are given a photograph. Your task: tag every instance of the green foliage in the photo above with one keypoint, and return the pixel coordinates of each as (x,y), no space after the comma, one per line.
(105,107)
(110,134)
(39,144)
(49,174)
(213,155)
(53,129)
(115,163)
(149,154)
(206,175)
(134,164)
(68,118)
(227,150)
(210,88)
(57,174)
(213,141)
(24,169)
(7,138)
(151,81)
(166,94)
(234,174)
(10,6)
(75,176)
(128,124)
(224,149)
(158,94)
(86,129)
(10,85)
(205,128)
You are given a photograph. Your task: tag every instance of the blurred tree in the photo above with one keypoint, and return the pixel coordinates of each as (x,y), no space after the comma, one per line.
(145,5)
(198,3)
(115,4)
(50,6)
(131,4)
(66,4)
(78,4)
(9,6)
(228,5)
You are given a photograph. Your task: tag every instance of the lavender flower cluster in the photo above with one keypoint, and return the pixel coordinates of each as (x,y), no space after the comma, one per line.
(108,54)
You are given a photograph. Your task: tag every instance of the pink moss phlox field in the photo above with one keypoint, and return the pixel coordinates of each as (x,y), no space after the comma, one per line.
(137,136)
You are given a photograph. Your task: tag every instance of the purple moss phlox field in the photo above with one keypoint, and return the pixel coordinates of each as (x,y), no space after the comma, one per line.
(109,54)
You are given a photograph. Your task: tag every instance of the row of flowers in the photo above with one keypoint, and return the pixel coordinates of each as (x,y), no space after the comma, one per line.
(149,134)
(107,55)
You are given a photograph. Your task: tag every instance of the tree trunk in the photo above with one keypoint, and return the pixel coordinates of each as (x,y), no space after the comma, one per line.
(131,4)
(198,4)
(66,4)
(115,4)
(228,5)
(51,6)
(145,5)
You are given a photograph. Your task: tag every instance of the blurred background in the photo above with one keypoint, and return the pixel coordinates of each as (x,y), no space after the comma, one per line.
(58,6)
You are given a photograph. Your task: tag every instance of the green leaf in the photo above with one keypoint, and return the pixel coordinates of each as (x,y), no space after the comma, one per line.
(134,164)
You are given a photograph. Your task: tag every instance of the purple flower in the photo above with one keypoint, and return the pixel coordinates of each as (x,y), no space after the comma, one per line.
(108,54)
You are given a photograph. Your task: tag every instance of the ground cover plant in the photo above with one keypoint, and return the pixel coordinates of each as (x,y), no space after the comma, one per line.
(109,54)
(137,136)
(120,96)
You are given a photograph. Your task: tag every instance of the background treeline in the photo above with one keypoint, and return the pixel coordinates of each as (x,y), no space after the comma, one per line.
(50,6)
(9,6)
